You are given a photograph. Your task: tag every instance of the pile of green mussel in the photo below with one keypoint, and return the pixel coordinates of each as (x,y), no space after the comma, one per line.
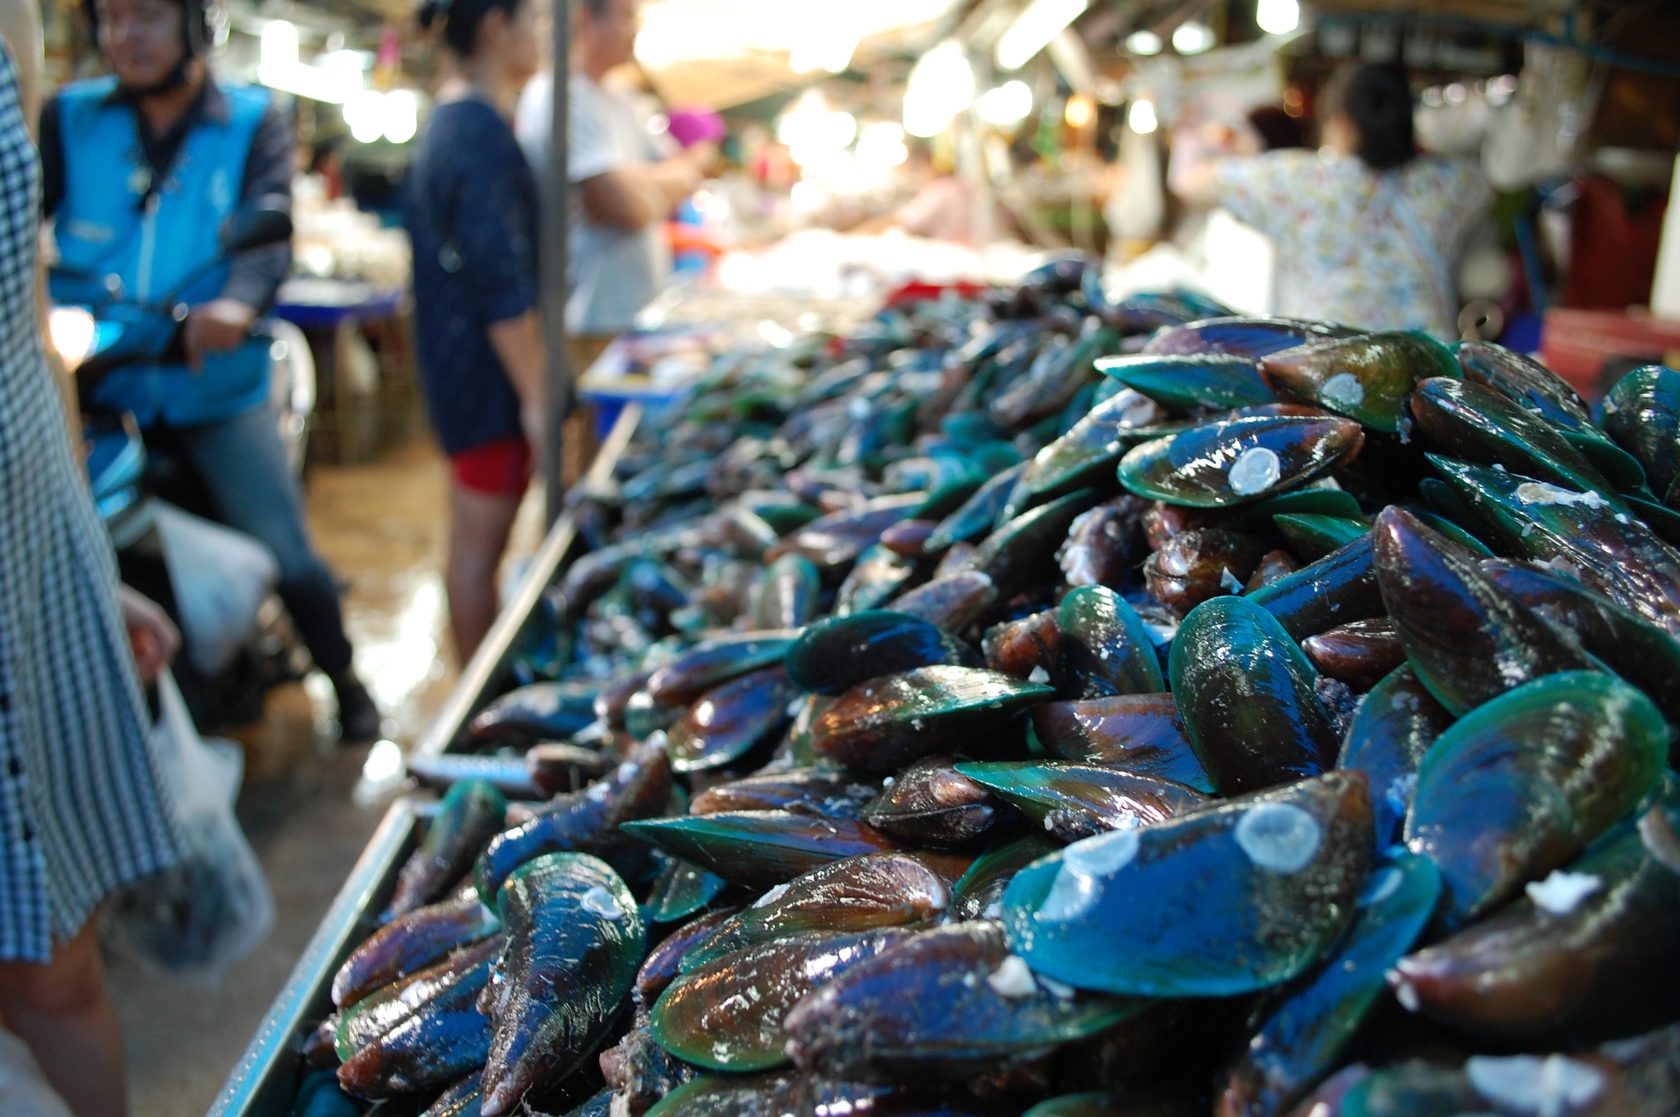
(1054,705)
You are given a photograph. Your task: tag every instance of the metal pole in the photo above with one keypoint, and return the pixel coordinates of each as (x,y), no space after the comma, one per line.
(556,230)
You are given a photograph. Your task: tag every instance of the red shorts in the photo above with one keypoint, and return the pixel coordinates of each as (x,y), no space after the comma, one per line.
(501,468)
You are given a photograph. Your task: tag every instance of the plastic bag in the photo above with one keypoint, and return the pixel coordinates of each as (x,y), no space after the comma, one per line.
(200,916)
(220,578)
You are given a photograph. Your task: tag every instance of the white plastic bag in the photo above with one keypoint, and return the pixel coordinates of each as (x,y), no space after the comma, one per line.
(220,578)
(214,907)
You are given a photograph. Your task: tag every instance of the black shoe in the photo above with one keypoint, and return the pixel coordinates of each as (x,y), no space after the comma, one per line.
(359,719)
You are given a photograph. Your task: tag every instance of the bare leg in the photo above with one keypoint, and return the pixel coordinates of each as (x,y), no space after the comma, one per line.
(64,1013)
(478,533)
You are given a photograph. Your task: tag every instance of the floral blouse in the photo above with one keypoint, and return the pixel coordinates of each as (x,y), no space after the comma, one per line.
(1361,247)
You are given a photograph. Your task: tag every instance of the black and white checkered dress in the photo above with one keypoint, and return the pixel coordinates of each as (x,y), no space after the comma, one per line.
(81,809)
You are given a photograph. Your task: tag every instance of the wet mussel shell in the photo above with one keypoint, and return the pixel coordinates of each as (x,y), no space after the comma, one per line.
(1188,381)
(1520,785)
(1642,413)
(1466,639)
(575,942)
(1104,647)
(932,804)
(1140,733)
(1247,696)
(882,724)
(837,653)
(472,812)
(1396,723)
(760,849)
(1237,461)
(1364,378)
(945,1004)
(728,1014)
(1083,799)
(1315,1017)
(730,720)
(1235,898)
(858,894)
(1585,955)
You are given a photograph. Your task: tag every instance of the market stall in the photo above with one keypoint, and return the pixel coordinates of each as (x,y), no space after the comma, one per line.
(815,612)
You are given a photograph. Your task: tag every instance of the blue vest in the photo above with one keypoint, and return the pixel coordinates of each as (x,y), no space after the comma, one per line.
(103,230)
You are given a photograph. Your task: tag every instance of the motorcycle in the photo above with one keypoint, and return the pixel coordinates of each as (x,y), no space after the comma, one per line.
(215,583)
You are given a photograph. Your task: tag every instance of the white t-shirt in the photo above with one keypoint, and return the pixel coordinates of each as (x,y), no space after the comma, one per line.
(613,273)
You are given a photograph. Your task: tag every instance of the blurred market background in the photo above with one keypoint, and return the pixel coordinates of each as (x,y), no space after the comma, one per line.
(1058,117)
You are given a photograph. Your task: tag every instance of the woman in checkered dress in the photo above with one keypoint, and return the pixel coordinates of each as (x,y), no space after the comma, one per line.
(81,808)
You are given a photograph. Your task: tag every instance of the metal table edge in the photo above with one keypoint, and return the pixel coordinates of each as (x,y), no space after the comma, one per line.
(273,1041)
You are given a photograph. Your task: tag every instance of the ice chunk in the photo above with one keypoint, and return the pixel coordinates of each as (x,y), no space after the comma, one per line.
(1552,1086)
(1561,892)
(1012,978)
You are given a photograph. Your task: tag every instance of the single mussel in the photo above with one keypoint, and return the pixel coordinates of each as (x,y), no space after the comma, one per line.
(1642,413)
(1129,912)
(837,653)
(883,724)
(470,815)
(1359,653)
(1520,785)
(1236,461)
(1074,801)
(1586,954)
(857,894)
(539,712)
(946,1004)
(1397,722)
(1104,545)
(1364,378)
(1465,638)
(931,804)
(824,791)
(731,719)
(1185,382)
(1140,733)
(727,1014)
(1194,566)
(1246,694)
(1104,647)
(760,848)
(575,941)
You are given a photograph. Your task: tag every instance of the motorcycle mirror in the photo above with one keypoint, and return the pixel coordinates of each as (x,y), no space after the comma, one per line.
(255,228)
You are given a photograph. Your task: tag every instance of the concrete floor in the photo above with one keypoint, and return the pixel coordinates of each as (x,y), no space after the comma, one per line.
(304,806)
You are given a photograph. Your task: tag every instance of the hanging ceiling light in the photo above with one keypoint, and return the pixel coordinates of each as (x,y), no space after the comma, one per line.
(1006,105)
(941,86)
(1041,21)
(1140,118)
(1192,37)
(1277,17)
(1144,42)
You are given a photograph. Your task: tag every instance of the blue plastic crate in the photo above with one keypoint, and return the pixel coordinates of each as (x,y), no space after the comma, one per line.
(607,404)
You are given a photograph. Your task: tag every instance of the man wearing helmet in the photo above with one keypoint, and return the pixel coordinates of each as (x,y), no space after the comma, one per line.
(139,171)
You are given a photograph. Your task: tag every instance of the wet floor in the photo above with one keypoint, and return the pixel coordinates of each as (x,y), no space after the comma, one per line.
(305,804)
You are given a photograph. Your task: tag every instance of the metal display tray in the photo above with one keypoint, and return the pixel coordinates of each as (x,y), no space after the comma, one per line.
(265,1081)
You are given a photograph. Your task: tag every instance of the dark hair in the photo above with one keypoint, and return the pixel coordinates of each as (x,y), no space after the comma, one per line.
(1276,128)
(1377,97)
(461,19)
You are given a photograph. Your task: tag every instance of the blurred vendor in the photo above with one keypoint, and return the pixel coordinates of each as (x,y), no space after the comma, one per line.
(626,183)
(1367,229)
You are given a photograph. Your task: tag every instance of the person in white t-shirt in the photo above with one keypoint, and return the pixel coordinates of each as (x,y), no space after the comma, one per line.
(625,184)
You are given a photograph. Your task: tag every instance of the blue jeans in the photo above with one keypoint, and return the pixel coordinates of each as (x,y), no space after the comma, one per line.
(243,467)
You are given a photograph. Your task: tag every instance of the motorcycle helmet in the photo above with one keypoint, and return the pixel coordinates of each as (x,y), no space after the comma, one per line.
(204,29)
